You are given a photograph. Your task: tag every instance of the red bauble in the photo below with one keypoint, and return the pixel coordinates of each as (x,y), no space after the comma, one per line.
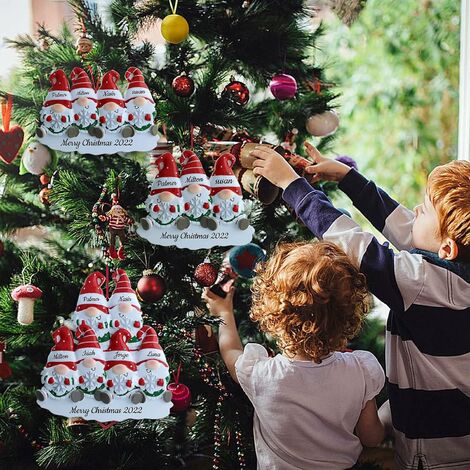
(283,86)
(44,196)
(183,85)
(237,92)
(151,287)
(181,396)
(44,179)
(205,274)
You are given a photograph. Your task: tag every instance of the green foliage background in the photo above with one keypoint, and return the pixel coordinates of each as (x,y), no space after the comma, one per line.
(397,68)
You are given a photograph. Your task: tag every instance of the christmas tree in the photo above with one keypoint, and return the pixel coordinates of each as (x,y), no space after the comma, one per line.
(235,49)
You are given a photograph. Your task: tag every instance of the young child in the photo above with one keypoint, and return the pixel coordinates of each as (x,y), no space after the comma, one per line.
(426,284)
(314,406)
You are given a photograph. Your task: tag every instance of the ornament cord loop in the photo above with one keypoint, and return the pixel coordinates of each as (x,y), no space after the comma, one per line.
(173,6)
(6,112)
(176,377)
(107,281)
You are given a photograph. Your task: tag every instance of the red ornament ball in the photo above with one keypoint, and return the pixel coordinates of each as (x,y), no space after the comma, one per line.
(151,287)
(183,86)
(283,86)
(181,396)
(44,179)
(236,92)
(44,195)
(205,274)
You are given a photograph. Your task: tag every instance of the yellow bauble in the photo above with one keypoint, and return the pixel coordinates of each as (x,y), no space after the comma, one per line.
(175,28)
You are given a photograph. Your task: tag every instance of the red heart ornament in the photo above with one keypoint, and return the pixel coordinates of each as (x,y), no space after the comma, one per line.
(107,424)
(10,143)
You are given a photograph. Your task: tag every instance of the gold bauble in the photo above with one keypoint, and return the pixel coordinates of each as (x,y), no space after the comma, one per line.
(175,28)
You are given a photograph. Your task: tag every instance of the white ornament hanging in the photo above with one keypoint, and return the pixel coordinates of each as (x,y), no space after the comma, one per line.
(322,125)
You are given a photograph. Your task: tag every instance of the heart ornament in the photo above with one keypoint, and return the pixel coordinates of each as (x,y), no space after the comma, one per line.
(10,143)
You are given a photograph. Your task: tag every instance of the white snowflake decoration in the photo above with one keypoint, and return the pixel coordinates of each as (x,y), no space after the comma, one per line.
(119,383)
(151,382)
(90,380)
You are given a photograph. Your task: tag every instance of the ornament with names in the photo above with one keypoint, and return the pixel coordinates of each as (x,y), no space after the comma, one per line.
(78,119)
(189,210)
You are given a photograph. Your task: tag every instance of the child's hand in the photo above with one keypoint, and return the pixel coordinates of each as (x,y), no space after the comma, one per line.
(273,167)
(218,306)
(325,168)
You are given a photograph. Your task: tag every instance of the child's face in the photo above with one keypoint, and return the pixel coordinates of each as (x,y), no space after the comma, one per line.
(426,227)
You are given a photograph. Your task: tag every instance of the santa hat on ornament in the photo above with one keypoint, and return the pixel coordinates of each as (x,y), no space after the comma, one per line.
(149,349)
(62,352)
(167,176)
(137,86)
(192,170)
(109,91)
(81,85)
(91,294)
(88,345)
(118,352)
(123,292)
(223,176)
(59,92)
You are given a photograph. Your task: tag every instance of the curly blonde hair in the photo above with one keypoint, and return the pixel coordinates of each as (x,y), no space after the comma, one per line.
(310,297)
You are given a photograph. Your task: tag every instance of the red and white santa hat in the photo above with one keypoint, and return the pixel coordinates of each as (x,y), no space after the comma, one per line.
(62,352)
(118,352)
(59,92)
(192,171)
(88,346)
(137,86)
(223,176)
(167,176)
(123,291)
(150,348)
(91,294)
(81,85)
(109,91)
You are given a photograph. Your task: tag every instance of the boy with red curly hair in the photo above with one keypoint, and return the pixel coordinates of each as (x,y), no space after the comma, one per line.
(426,284)
(314,405)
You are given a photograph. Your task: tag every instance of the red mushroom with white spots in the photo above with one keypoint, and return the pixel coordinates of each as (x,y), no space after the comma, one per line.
(25,296)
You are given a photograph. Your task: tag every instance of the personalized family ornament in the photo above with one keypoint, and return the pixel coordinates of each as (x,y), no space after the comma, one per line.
(103,122)
(121,374)
(193,211)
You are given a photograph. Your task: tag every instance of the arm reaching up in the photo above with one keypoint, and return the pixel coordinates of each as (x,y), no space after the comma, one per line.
(385,214)
(229,341)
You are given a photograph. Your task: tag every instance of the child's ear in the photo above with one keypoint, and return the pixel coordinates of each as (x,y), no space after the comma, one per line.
(448,250)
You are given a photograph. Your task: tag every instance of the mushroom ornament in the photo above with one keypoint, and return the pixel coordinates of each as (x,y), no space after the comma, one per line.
(25,295)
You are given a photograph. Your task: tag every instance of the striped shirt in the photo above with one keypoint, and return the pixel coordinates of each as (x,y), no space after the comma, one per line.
(428,329)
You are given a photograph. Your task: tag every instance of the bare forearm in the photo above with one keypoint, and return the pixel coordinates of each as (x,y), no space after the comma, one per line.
(229,338)
(230,344)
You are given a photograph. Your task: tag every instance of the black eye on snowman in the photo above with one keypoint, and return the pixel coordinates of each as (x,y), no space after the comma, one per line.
(125,374)
(98,317)
(149,371)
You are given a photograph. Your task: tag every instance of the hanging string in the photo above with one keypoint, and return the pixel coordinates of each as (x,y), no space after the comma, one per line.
(118,187)
(173,6)
(6,112)
(176,377)
(107,281)
(191,131)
